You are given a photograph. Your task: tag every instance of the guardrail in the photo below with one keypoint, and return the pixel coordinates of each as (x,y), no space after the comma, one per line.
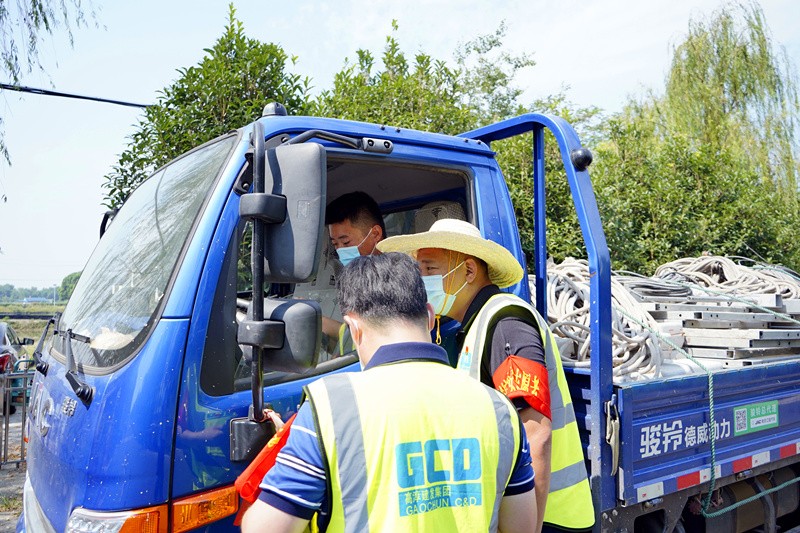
(26,316)
(14,396)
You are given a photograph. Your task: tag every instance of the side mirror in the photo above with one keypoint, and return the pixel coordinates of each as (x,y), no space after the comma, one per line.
(288,339)
(292,208)
(27,341)
(290,334)
(287,209)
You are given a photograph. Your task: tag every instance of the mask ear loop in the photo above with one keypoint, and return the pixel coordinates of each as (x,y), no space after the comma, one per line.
(439,317)
(374,246)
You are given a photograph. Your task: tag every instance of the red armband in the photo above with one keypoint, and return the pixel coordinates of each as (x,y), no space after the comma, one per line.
(248,482)
(518,377)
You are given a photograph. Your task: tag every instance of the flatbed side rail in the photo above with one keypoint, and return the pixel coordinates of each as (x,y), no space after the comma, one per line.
(600,455)
(666,428)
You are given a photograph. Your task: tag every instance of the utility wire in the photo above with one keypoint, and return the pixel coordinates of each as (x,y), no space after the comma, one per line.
(46,92)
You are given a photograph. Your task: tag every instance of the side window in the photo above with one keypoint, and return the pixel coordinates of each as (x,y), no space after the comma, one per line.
(411,199)
(222,355)
(224,368)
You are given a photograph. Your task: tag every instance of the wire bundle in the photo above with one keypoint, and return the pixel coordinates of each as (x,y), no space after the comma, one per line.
(637,352)
(636,349)
(727,276)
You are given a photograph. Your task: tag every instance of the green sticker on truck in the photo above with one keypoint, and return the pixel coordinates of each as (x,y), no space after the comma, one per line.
(755,417)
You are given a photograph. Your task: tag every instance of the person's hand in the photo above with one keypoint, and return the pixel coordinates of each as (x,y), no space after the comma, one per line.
(275,418)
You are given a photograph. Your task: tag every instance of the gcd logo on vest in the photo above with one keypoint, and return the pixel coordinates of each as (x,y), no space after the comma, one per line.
(439,473)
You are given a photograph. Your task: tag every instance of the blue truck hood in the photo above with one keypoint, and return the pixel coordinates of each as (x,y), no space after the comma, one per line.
(110,454)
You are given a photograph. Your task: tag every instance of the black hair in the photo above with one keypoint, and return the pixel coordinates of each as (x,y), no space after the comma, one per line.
(382,289)
(358,208)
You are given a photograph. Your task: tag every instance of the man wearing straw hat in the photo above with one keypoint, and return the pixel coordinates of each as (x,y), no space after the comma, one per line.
(506,344)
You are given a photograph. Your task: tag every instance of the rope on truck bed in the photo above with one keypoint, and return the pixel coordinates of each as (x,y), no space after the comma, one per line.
(637,351)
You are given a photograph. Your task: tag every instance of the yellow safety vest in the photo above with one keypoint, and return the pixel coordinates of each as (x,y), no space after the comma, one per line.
(414,446)
(569,502)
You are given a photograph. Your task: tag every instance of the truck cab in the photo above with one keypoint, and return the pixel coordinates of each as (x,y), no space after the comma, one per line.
(133,403)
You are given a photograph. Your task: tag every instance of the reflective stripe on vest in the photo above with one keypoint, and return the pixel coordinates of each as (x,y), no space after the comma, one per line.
(569,502)
(439,413)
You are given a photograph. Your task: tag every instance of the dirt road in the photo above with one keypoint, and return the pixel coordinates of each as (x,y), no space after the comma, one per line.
(12,477)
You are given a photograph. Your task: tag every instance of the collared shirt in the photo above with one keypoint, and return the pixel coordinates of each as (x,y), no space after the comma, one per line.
(297,483)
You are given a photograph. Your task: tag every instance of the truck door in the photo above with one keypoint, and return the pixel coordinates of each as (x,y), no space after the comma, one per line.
(576,160)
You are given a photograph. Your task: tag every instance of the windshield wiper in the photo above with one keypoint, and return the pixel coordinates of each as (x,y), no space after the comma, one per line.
(83,391)
(40,365)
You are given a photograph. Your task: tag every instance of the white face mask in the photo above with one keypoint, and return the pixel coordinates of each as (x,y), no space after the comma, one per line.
(440,300)
(348,253)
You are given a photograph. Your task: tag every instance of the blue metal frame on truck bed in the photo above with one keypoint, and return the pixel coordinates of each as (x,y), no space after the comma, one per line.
(599,454)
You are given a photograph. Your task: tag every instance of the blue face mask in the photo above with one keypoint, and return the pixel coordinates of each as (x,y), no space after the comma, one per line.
(348,253)
(440,300)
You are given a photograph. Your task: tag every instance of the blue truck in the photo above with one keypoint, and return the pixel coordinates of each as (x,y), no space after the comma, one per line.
(149,390)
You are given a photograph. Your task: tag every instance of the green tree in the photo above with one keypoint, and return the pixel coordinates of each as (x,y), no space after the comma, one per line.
(515,157)
(487,75)
(226,90)
(22,23)
(729,87)
(478,89)
(6,290)
(68,285)
(711,165)
(424,94)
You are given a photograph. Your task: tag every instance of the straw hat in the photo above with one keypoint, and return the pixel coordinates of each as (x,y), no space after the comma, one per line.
(460,236)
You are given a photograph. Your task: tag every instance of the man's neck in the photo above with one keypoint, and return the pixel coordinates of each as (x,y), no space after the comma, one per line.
(392,334)
(470,292)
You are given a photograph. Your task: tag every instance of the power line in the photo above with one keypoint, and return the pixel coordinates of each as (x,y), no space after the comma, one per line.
(46,92)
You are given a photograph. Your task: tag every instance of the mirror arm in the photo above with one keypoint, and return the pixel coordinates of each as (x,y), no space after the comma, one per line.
(367,144)
(257,267)
(266,207)
(327,135)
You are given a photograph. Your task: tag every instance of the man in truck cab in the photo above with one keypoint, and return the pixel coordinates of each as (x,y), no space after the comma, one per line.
(409,444)
(501,343)
(355,226)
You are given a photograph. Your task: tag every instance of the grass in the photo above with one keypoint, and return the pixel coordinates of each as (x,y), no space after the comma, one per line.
(25,327)
(28,328)
(14,308)
(10,504)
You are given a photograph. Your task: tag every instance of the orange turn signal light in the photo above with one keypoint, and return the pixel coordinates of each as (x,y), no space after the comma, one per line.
(148,520)
(201,509)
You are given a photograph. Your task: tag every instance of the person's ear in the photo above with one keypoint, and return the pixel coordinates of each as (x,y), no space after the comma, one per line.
(471,267)
(431,316)
(355,329)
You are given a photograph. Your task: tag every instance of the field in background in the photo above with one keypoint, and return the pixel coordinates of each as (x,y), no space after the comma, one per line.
(29,327)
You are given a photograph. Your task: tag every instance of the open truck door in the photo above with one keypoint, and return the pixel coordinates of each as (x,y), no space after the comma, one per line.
(576,160)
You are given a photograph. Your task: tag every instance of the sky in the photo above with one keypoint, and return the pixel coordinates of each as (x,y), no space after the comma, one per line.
(600,51)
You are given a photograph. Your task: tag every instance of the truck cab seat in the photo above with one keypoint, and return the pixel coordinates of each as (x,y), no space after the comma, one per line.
(433,211)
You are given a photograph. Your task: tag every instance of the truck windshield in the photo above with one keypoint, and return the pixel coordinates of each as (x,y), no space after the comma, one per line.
(117,298)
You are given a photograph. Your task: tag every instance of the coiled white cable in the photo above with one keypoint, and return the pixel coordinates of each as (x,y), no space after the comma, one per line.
(724,275)
(637,352)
